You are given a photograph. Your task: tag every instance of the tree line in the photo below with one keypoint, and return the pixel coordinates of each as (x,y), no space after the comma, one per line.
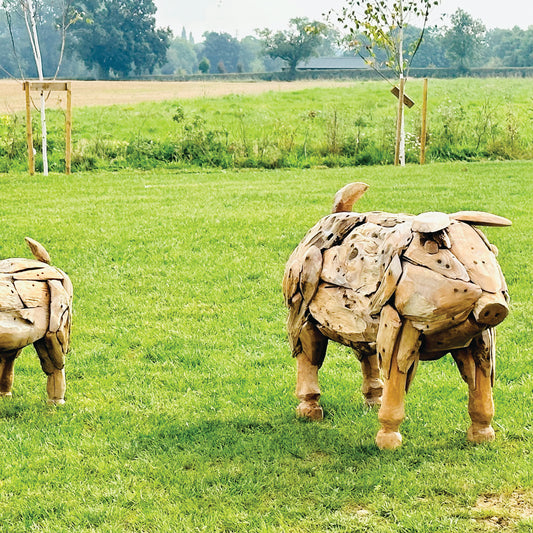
(117,39)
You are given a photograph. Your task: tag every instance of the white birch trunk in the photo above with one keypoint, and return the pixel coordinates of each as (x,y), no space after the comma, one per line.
(31,26)
(402,130)
(402,137)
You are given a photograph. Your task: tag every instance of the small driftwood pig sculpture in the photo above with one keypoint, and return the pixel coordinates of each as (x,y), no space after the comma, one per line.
(35,307)
(397,289)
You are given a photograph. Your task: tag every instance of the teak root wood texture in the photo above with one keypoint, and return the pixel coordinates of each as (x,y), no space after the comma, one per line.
(397,288)
(35,308)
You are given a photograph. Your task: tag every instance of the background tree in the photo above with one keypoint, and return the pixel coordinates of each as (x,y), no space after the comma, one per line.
(251,56)
(298,43)
(221,48)
(509,48)
(431,52)
(464,40)
(181,58)
(381,24)
(204,65)
(119,37)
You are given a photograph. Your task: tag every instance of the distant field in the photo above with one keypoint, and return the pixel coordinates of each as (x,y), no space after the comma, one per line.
(102,93)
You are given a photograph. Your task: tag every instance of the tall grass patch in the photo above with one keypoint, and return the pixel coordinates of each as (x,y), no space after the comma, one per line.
(180,406)
(469,119)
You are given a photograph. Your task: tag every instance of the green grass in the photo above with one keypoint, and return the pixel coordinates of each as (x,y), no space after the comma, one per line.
(180,406)
(469,119)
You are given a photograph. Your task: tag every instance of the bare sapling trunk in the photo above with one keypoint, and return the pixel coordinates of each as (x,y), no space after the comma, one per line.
(401,154)
(401,114)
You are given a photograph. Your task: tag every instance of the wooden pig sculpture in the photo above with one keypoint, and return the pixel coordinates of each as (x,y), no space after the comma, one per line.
(397,289)
(35,307)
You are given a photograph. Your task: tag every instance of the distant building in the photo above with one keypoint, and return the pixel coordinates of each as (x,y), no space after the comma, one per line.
(332,63)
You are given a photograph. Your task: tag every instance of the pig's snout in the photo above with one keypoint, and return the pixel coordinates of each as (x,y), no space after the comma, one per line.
(490,309)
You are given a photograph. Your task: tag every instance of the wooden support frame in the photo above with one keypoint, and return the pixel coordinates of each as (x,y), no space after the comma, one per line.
(40,86)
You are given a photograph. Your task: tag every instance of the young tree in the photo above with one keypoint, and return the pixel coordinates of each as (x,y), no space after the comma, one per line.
(464,39)
(298,43)
(381,24)
(29,10)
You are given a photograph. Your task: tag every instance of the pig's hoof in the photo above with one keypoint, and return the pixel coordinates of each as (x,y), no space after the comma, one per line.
(310,410)
(388,440)
(372,391)
(57,401)
(477,435)
(373,401)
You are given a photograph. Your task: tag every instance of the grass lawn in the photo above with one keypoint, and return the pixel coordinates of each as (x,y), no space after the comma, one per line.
(180,406)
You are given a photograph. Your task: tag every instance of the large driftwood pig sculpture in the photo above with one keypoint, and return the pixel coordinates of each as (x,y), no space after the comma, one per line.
(35,307)
(397,289)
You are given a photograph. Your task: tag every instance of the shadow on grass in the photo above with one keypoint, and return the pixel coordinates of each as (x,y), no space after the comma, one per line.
(285,439)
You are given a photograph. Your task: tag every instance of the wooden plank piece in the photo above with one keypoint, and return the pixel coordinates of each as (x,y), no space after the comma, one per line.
(59,301)
(55,350)
(345,312)
(408,347)
(33,293)
(291,280)
(9,266)
(48,85)
(9,298)
(310,275)
(480,263)
(17,332)
(387,287)
(390,324)
(430,222)
(481,218)
(39,274)
(459,336)
(426,296)
(441,261)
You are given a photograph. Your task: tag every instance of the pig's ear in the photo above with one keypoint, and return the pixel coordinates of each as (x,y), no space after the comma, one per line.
(347,196)
(480,218)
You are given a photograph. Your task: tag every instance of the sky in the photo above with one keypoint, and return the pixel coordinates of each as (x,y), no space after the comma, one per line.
(240,18)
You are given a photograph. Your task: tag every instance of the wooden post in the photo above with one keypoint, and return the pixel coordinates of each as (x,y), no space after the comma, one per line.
(423,129)
(399,121)
(29,136)
(68,129)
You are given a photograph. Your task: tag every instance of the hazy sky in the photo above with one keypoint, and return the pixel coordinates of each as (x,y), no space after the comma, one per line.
(241,17)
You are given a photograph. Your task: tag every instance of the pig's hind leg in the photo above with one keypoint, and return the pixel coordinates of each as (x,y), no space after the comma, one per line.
(7,363)
(372,384)
(308,362)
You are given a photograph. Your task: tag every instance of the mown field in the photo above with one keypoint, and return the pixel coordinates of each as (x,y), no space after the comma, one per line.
(351,123)
(180,407)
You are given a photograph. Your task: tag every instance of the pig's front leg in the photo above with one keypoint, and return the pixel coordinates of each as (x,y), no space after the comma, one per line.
(476,364)
(403,363)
